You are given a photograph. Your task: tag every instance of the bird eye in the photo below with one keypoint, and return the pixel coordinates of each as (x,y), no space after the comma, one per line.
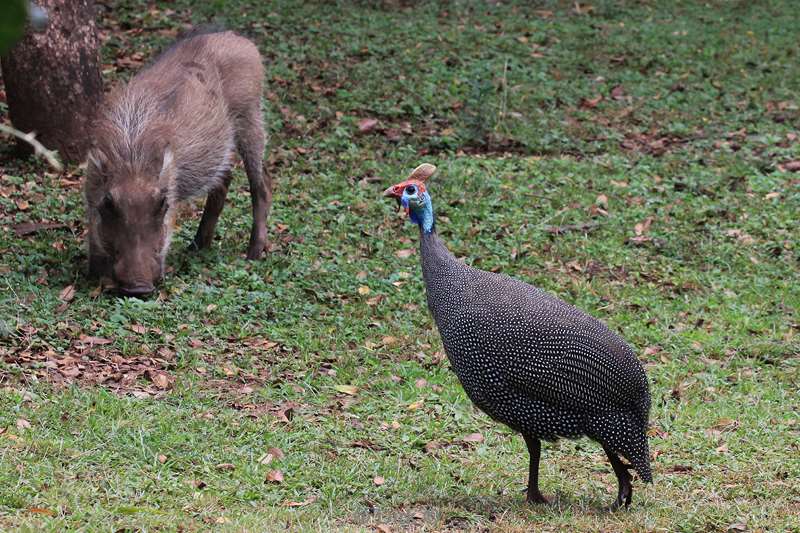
(411,189)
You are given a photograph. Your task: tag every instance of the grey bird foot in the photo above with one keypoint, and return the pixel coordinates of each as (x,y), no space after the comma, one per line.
(624,497)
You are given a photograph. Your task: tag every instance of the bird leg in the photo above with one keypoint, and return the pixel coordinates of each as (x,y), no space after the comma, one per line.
(534,450)
(625,491)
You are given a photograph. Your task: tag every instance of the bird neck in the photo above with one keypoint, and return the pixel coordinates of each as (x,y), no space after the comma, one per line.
(444,276)
(423,215)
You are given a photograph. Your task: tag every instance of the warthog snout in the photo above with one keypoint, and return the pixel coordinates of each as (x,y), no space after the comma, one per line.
(136,277)
(136,290)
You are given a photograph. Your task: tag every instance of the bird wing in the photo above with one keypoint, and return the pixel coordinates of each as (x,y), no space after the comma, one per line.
(552,351)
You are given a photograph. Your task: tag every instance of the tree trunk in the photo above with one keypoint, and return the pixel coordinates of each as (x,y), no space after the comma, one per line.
(52,79)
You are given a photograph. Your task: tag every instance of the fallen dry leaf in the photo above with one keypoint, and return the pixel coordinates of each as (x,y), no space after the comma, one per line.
(350,390)
(415,405)
(591,103)
(790,166)
(363,290)
(642,227)
(378,480)
(403,254)
(226,467)
(160,379)
(473,437)
(23,424)
(272,453)
(725,424)
(67,293)
(366,125)
(274,476)
(41,510)
(162,458)
(86,339)
(290,503)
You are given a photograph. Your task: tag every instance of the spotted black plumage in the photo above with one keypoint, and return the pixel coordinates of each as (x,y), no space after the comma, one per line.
(530,360)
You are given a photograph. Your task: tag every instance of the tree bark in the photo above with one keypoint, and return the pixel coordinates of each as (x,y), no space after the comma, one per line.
(52,79)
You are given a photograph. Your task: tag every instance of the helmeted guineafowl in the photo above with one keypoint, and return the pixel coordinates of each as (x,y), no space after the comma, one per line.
(529,359)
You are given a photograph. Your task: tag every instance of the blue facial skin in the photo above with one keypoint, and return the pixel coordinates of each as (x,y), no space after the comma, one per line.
(419,206)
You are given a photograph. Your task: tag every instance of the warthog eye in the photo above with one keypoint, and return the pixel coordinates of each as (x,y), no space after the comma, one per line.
(107,205)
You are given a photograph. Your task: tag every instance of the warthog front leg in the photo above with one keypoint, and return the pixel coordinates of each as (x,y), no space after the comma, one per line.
(214,204)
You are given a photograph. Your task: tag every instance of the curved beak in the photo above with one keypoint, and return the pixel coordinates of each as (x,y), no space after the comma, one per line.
(391,193)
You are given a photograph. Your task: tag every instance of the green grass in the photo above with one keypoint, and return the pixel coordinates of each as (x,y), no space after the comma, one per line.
(502,97)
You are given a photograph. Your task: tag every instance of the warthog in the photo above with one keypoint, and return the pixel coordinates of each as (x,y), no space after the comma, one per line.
(167,136)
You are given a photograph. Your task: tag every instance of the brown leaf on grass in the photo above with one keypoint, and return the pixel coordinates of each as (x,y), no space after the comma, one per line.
(27,228)
(726,424)
(290,503)
(591,103)
(41,510)
(276,452)
(22,204)
(160,379)
(284,411)
(378,480)
(643,227)
(23,424)
(740,236)
(227,467)
(651,350)
(162,458)
(350,390)
(473,438)
(415,405)
(790,166)
(366,125)
(274,476)
(366,444)
(405,253)
(389,340)
(67,294)
(95,341)
(138,328)
(272,454)
(618,92)
(383,528)
(585,227)
(433,445)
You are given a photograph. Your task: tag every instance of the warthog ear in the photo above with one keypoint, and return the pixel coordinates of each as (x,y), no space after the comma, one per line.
(96,161)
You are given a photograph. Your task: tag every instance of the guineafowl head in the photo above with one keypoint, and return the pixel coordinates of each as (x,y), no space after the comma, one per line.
(412,195)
